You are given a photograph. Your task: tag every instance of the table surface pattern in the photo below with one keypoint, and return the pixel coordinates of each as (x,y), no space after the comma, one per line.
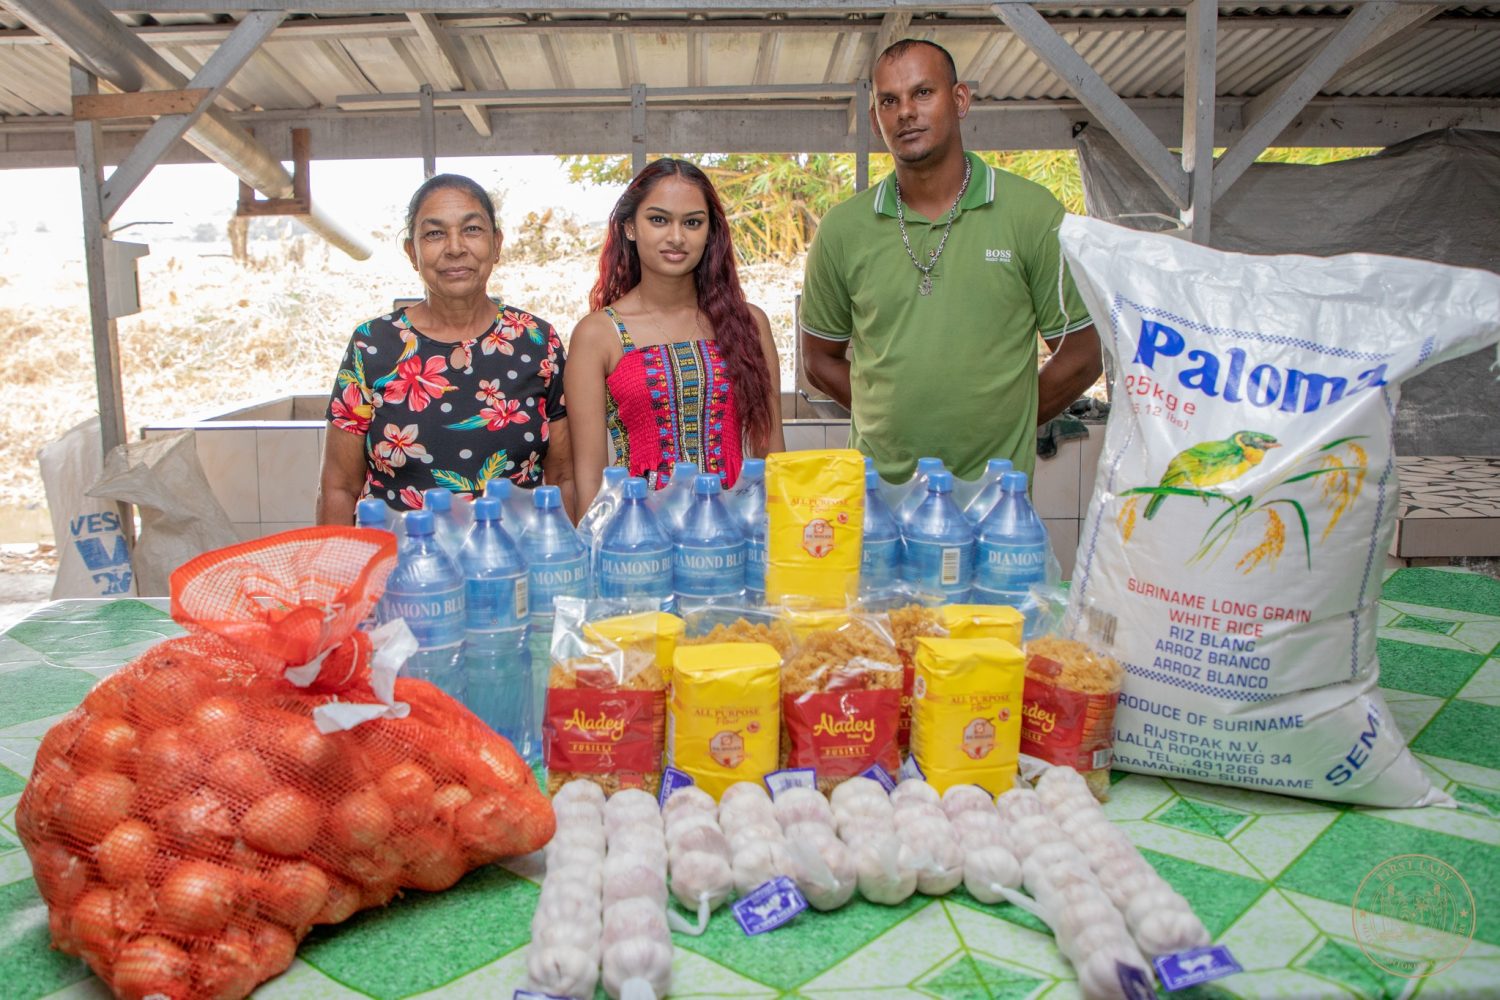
(1272,877)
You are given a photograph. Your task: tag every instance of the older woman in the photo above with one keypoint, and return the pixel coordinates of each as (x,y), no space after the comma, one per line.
(453,391)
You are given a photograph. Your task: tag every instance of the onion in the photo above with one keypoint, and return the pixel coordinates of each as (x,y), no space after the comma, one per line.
(361,820)
(275,948)
(409,789)
(106,744)
(166,694)
(216,724)
(375,870)
(61,875)
(151,965)
(449,800)
(60,926)
(168,764)
(485,829)
(226,970)
(110,696)
(93,925)
(125,852)
(341,904)
(241,774)
(304,751)
(285,822)
(199,824)
(433,861)
(36,814)
(198,897)
(95,803)
(293,894)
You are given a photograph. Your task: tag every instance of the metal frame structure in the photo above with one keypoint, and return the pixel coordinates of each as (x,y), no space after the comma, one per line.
(1171,82)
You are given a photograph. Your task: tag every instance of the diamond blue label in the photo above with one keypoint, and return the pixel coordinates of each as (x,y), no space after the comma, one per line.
(635,574)
(768,906)
(1009,567)
(879,775)
(436,619)
(671,780)
(792,777)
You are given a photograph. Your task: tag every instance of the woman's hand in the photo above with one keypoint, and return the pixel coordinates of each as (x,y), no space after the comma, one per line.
(593,352)
(342,477)
(777,440)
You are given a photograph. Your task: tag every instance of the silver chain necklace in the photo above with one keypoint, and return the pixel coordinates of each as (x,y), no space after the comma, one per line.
(926,286)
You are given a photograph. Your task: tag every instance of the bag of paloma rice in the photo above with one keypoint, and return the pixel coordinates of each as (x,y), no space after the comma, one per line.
(1245,501)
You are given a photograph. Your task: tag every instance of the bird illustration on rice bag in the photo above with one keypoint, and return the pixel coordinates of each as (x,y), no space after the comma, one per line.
(1212,463)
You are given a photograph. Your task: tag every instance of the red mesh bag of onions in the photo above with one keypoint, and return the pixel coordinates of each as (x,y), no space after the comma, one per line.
(211,801)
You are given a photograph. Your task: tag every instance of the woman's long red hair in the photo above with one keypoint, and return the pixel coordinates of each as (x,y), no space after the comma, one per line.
(719,294)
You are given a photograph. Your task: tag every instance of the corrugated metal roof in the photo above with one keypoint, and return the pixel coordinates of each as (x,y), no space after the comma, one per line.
(313,60)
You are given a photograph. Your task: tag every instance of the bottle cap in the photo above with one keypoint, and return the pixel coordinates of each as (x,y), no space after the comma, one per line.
(437,500)
(753,468)
(499,488)
(614,475)
(929,465)
(488,509)
(872,479)
(546,497)
(635,488)
(707,485)
(1013,481)
(996,466)
(371,511)
(417,522)
(940,481)
(869,463)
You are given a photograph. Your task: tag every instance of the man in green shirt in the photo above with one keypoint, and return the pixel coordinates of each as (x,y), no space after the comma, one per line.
(924,295)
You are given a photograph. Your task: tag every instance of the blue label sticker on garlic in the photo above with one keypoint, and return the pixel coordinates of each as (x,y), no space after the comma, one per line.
(1198,965)
(533,995)
(911,769)
(880,776)
(1135,982)
(792,777)
(671,780)
(768,906)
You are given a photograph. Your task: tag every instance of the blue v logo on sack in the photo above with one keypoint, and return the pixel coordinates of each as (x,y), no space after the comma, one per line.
(993,256)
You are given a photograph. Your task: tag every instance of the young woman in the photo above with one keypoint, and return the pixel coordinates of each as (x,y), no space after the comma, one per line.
(673,364)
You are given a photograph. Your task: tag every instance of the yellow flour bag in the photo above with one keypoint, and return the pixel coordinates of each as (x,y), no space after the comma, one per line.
(723,716)
(815,501)
(966,712)
(982,621)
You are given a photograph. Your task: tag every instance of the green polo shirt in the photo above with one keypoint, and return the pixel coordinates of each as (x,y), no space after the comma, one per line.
(951,374)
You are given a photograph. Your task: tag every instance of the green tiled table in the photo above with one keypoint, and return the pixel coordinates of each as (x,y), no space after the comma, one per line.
(1272,877)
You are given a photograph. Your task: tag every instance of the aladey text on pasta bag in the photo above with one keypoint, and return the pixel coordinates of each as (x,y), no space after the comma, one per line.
(1245,500)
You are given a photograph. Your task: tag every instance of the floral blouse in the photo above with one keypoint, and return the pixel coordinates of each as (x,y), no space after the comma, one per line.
(451,415)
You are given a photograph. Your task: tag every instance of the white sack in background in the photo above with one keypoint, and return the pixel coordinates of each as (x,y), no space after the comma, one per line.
(1234,546)
(180,517)
(93,559)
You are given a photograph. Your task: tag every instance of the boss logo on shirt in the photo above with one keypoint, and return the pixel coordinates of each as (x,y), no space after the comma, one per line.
(997,256)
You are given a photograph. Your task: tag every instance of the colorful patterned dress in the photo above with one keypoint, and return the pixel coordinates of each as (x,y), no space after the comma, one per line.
(449,414)
(672,402)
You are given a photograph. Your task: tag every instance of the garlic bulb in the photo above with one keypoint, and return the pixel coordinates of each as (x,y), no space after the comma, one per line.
(744,791)
(1166,931)
(589,876)
(850,813)
(579,790)
(632,813)
(582,838)
(562,971)
(1074,918)
(909,811)
(885,868)
(802,805)
(914,789)
(740,839)
(1019,802)
(1154,901)
(627,876)
(640,958)
(824,872)
(856,790)
(689,799)
(570,856)
(811,832)
(577,812)
(636,917)
(707,839)
(567,901)
(1099,974)
(701,874)
(986,869)
(757,863)
(1031,832)
(553,934)
(943,866)
(964,798)
(980,828)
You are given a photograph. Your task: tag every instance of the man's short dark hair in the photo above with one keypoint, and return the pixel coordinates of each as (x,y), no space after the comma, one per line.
(896,50)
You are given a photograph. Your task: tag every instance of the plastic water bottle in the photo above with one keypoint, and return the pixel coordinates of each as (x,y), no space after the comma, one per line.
(749,488)
(372,513)
(939,544)
(427,590)
(604,504)
(1012,549)
(448,521)
(635,552)
(989,494)
(916,489)
(708,556)
(518,507)
(557,564)
(497,664)
(749,510)
(880,549)
(671,502)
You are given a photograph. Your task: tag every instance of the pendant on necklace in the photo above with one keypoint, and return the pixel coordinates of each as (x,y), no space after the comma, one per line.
(926,286)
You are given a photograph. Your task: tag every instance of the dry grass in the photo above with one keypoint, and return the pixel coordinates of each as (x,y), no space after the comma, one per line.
(213,333)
